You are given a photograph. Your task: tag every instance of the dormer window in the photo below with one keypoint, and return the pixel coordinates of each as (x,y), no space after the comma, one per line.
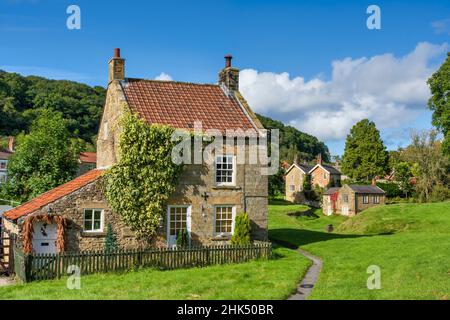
(225,170)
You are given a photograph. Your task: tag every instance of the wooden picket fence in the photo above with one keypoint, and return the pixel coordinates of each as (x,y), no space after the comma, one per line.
(33,267)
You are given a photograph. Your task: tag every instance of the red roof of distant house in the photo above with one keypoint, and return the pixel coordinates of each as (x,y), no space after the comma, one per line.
(285,165)
(88,157)
(180,104)
(52,195)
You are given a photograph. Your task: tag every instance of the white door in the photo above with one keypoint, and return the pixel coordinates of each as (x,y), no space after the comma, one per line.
(44,237)
(330,210)
(178,218)
(345,210)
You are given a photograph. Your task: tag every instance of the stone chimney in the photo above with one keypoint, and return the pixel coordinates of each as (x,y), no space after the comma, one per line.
(116,67)
(11,141)
(319,159)
(296,159)
(374,181)
(229,76)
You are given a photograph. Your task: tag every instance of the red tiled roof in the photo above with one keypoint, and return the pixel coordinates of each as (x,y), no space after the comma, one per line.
(180,104)
(52,195)
(88,157)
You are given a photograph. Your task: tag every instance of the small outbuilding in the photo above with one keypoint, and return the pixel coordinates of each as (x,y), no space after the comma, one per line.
(350,200)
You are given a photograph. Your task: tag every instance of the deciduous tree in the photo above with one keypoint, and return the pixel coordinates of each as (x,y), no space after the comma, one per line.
(365,155)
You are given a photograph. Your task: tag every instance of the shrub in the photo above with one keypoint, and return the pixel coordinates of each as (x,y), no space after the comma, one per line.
(110,240)
(182,238)
(439,193)
(242,230)
(138,187)
(392,189)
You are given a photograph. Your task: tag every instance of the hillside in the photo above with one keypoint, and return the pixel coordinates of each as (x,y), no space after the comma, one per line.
(21,98)
(293,141)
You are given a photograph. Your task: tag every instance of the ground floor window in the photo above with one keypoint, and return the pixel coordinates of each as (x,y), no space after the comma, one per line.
(178,219)
(93,220)
(292,188)
(365,199)
(376,199)
(224,222)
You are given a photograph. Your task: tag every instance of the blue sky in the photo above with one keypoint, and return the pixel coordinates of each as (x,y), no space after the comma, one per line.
(269,39)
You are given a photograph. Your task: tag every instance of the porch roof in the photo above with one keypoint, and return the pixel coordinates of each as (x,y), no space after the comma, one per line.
(52,195)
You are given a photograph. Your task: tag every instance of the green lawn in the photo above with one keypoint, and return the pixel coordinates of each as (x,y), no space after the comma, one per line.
(409,242)
(273,279)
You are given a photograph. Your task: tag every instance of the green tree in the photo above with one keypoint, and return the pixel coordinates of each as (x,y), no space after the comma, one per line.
(276,183)
(43,160)
(403,176)
(429,165)
(365,155)
(439,102)
(242,230)
(110,240)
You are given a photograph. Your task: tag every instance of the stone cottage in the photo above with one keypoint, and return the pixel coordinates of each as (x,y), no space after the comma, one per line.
(349,200)
(324,175)
(321,175)
(75,215)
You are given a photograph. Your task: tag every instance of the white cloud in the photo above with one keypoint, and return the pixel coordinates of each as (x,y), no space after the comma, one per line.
(164,77)
(388,90)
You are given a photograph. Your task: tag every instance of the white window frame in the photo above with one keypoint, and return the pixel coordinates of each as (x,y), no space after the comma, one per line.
(233,217)
(345,198)
(102,220)
(3,177)
(292,187)
(233,177)
(364,199)
(376,199)
(188,220)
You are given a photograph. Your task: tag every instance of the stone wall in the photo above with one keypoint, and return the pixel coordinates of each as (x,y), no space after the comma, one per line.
(110,129)
(249,194)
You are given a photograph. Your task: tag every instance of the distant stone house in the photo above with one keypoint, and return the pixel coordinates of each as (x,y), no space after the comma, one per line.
(349,200)
(324,175)
(295,178)
(5,154)
(74,216)
(318,175)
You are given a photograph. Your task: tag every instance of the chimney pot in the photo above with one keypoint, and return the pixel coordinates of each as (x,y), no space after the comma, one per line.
(228,59)
(117,53)
(11,141)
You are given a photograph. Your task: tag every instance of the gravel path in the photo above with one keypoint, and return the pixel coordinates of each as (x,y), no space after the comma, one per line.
(306,286)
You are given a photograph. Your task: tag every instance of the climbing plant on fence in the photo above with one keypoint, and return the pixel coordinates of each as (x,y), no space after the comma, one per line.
(139,185)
